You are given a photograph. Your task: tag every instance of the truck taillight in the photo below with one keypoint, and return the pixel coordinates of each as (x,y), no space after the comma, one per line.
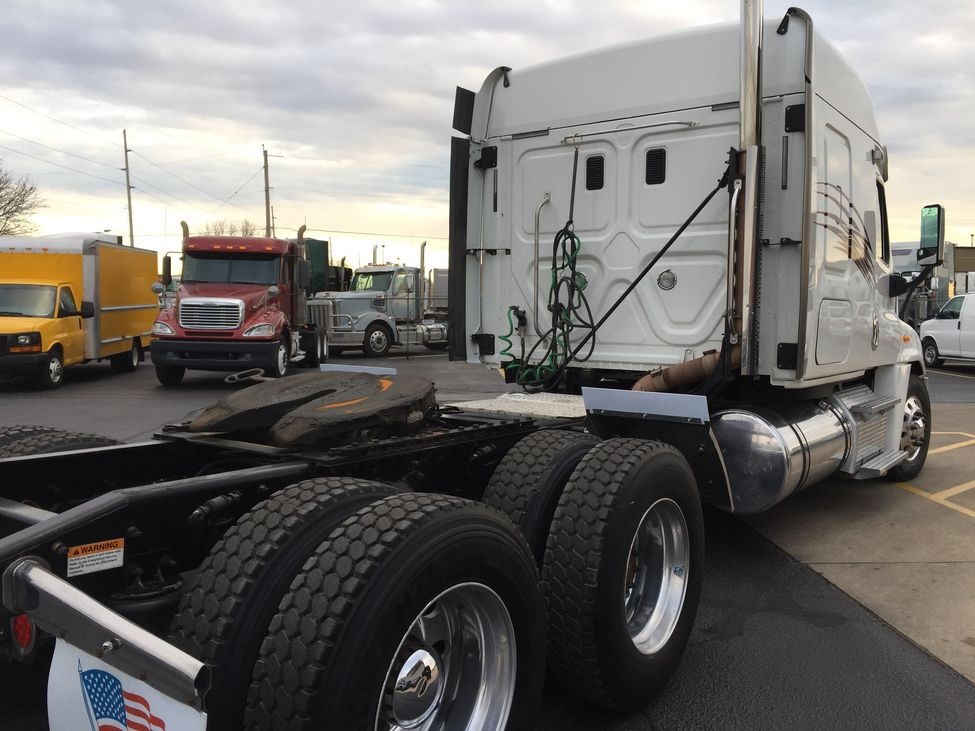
(22,630)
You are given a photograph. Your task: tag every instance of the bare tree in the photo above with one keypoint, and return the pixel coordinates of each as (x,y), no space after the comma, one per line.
(215,228)
(230,228)
(19,200)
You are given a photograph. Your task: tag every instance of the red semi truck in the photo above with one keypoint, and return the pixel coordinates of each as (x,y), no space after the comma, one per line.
(240,305)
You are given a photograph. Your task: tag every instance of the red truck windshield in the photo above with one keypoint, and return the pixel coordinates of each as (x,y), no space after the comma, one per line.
(239,268)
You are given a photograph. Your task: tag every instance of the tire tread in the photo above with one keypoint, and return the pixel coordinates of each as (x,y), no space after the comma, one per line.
(323,596)
(572,562)
(207,618)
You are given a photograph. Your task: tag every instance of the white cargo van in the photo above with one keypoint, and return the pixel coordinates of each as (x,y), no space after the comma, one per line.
(951,333)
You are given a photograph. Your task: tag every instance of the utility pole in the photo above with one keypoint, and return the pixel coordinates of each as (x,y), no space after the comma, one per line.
(128,188)
(267,197)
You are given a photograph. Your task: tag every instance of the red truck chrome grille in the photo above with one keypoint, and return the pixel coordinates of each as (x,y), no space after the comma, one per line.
(210,314)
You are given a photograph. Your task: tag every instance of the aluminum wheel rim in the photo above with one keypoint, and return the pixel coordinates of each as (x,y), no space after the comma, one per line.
(282,359)
(55,370)
(135,357)
(454,667)
(656,576)
(377,340)
(915,425)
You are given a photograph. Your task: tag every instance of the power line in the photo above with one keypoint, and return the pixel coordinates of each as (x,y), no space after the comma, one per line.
(55,149)
(256,173)
(47,116)
(169,172)
(55,164)
(370,233)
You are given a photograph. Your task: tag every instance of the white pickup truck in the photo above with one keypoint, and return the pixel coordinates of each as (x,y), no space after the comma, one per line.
(951,333)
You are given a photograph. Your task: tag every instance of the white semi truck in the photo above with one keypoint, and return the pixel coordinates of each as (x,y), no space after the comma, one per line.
(386,305)
(710,241)
(707,262)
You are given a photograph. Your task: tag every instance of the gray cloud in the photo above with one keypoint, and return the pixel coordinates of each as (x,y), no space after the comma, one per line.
(356,96)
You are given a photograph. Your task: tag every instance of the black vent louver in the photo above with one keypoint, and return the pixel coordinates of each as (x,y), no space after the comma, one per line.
(656,166)
(595,172)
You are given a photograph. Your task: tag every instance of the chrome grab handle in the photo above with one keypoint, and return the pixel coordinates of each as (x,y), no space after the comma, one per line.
(538,213)
(732,229)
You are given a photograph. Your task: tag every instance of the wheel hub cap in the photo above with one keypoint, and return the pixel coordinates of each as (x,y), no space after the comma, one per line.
(418,689)
(915,425)
(455,666)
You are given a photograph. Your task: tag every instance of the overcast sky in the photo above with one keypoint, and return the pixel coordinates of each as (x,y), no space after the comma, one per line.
(353,101)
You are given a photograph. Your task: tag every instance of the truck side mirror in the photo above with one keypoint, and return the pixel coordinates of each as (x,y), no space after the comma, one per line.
(87,310)
(304,274)
(932,246)
(896,285)
(167,270)
(157,288)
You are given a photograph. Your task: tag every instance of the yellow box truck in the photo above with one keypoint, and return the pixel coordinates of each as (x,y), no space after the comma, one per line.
(73,298)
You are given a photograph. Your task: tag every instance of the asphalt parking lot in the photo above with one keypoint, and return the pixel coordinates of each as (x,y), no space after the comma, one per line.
(851,605)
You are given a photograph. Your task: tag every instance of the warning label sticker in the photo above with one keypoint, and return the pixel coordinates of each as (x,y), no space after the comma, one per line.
(92,557)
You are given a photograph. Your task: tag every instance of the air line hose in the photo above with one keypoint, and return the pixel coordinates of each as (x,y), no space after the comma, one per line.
(550,368)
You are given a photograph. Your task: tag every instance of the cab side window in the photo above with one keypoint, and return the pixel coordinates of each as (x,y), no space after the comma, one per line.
(952,310)
(400,283)
(66,302)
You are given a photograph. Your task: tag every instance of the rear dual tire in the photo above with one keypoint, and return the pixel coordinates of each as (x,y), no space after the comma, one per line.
(25,685)
(225,612)
(528,482)
(26,441)
(412,614)
(623,572)
(127,362)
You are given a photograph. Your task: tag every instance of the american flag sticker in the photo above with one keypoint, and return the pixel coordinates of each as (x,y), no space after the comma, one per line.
(83,692)
(112,708)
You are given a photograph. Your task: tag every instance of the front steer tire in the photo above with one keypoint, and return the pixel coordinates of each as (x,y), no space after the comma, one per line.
(377,340)
(932,357)
(51,375)
(282,359)
(436,597)
(915,431)
(224,614)
(170,375)
(623,572)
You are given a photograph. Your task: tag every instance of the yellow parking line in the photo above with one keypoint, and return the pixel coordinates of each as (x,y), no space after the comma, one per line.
(948,448)
(935,499)
(954,433)
(953,490)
